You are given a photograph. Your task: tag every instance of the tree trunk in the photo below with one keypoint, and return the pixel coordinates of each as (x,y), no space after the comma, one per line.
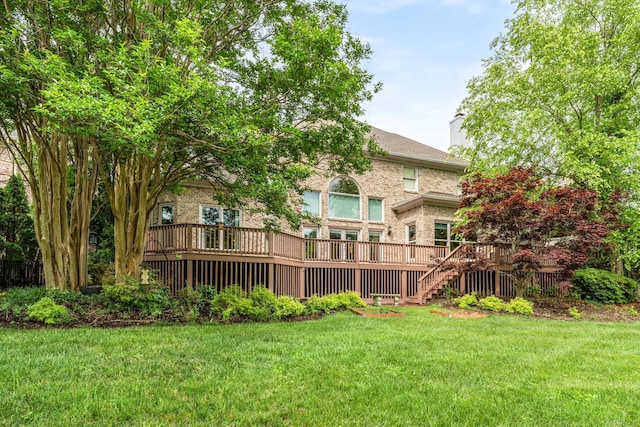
(132,201)
(48,181)
(84,190)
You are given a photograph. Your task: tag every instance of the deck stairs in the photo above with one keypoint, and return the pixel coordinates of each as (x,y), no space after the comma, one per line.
(436,279)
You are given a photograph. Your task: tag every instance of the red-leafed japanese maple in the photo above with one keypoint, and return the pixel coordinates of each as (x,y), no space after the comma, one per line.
(532,225)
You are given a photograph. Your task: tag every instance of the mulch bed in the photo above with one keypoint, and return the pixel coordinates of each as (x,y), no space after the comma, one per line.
(544,308)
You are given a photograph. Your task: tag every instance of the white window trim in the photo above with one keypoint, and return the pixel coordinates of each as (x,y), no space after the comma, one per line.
(222,213)
(319,202)
(359,196)
(381,207)
(417,169)
(406,233)
(310,227)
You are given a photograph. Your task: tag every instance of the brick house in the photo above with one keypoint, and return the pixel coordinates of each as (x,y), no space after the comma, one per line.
(409,197)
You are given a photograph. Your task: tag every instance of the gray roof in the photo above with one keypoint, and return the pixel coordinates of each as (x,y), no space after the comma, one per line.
(399,146)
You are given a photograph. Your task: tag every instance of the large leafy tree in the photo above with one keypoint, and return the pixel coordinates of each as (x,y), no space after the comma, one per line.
(250,94)
(533,224)
(561,92)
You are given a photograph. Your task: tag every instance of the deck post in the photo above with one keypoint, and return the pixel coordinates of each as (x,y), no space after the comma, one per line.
(301,294)
(189,238)
(404,290)
(463,283)
(358,280)
(271,276)
(190,272)
(496,280)
(270,240)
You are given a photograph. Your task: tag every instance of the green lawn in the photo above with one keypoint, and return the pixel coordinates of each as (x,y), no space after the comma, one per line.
(343,370)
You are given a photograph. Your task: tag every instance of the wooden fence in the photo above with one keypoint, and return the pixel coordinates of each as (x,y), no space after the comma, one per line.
(193,255)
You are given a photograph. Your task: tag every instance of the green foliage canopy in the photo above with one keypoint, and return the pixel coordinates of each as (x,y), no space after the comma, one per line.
(560,92)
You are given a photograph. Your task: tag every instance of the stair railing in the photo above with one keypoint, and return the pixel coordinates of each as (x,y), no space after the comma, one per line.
(431,279)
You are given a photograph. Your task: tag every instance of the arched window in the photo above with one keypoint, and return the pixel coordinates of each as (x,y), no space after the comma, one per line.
(344,199)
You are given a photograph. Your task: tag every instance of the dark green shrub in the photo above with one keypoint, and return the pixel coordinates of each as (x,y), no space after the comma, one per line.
(18,299)
(604,286)
(466,301)
(492,303)
(47,311)
(519,305)
(132,295)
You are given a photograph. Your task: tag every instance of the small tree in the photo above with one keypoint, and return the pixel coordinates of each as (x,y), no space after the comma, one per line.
(531,224)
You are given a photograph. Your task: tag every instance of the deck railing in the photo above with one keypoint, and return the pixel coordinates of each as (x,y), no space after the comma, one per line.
(199,238)
(186,255)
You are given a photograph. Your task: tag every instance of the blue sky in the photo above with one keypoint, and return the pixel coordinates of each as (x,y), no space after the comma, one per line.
(424,53)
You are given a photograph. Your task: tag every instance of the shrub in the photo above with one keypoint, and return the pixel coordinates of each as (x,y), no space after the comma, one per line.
(18,299)
(604,286)
(575,313)
(288,307)
(519,305)
(466,301)
(315,304)
(261,306)
(130,295)
(492,303)
(334,302)
(229,302)
(47,311)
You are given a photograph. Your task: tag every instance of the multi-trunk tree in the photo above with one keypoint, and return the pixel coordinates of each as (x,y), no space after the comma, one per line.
(533,224)
(560,92)
(145,94)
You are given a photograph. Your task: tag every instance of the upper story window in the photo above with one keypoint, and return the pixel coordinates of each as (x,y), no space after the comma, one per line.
(410,178)
(375,210)
(311,203)
(344,199)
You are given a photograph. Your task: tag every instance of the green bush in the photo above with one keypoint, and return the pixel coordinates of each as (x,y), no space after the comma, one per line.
(230,302)
(288,307)
(261,306)
(575,313)
(334,302)
(132,295)
(466,301)
(604,286)
(492,303)
(18,299)
(47,311)
(519,305)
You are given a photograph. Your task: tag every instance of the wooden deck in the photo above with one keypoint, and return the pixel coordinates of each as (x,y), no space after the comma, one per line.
(191,255)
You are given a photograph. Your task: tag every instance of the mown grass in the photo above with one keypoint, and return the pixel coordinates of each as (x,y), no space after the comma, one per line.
(418,370)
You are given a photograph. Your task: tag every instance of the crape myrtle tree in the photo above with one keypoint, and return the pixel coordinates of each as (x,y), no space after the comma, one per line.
(531,223)
(145,94)
(561,91)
